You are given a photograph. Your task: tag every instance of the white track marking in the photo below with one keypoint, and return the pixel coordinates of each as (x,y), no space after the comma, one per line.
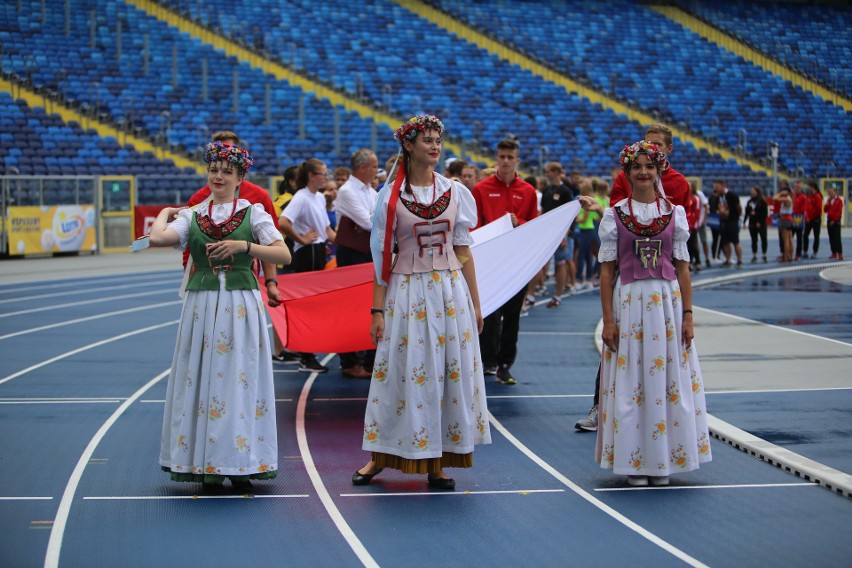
(26,498)
(67,284)
(89,318)
(769,391)
(85,302)
(341,524)
(190,497)
(640,530)
(678,487)
(584,333)
(54,545)
(453,493)
(85,348)
(81,401)
(88,291)
(773,326)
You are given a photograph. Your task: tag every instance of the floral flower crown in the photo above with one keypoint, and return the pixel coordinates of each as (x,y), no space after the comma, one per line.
(632,152)
(220,152)
(420,123)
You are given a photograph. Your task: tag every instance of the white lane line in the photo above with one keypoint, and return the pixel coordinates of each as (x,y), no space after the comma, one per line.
(583,333)
(64,398)
(182,497)
(773,326)
(163,401)
(85,302)
(540,396)
(348,534)
(769,391)
(640,530)
(84,348)
(54,545)
(103,401)
(356,399)
(89,318)
(453,493)
(89,290)
(69,284)
(26,498)
(678,487)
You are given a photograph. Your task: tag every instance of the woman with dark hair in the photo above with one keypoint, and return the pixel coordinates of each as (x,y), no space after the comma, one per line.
(426,408)
(305,220)
(220,404)
(653,416)
(756,212)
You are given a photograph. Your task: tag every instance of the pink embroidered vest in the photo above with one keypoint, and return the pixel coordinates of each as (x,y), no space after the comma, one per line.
(645,252)
(424,236)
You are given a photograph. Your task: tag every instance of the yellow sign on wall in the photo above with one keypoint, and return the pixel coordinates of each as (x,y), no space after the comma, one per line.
(56,228)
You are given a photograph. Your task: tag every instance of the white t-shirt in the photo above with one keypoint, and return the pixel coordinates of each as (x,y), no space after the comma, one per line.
(307,212)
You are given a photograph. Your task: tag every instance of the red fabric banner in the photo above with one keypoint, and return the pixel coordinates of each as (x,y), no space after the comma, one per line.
(327,311)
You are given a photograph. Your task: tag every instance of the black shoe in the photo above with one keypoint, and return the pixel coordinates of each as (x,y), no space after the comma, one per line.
(241,485)
(286,356)
(445,483)
(364,478)
(504,377)
(312,366)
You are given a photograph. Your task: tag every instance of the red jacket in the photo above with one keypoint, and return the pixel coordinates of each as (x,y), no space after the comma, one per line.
(248,191)
(800,202)
(674,184)
(834,209)
(814,210)
(494,199)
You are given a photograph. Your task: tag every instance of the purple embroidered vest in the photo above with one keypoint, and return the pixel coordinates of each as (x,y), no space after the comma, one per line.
(645,252)
(425,239)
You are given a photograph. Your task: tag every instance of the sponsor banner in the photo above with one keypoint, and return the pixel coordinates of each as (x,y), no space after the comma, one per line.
(55,228)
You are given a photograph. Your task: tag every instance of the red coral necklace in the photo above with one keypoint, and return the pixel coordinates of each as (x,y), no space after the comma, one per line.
(231,216)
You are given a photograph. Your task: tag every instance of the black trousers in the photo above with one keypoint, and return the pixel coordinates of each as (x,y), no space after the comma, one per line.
(834,238)
(815,226)
(499,339)
(758,230)
(797,235)
(349,257)
(692,246)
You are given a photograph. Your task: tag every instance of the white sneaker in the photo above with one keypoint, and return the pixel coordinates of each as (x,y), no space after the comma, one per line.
(637,480)
(590,422)
(660,481)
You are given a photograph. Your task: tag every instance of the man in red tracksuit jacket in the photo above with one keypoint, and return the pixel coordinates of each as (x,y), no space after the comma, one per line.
(504,192)
(813,218)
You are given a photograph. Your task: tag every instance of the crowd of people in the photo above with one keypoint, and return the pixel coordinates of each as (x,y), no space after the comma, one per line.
(637,240)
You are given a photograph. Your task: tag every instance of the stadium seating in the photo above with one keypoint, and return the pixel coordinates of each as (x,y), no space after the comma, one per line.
(392,58)
(813,40)
(661,66)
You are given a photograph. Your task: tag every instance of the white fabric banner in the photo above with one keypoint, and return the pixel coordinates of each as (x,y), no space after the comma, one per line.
(505,263)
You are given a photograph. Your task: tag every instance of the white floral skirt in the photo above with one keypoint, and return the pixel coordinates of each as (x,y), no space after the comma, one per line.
(653,417)
(427,393)
(220,405)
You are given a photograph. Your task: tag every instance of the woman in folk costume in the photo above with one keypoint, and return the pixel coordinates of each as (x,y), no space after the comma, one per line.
(426,408)
(653,414)
(220,408)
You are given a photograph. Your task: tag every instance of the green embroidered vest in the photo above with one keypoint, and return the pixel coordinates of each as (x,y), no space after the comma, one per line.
(238,274)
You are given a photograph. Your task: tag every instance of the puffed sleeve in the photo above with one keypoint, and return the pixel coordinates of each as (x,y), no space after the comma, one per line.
(181,227)
(608,233)
(263,226)
(466,217)
(681,234)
